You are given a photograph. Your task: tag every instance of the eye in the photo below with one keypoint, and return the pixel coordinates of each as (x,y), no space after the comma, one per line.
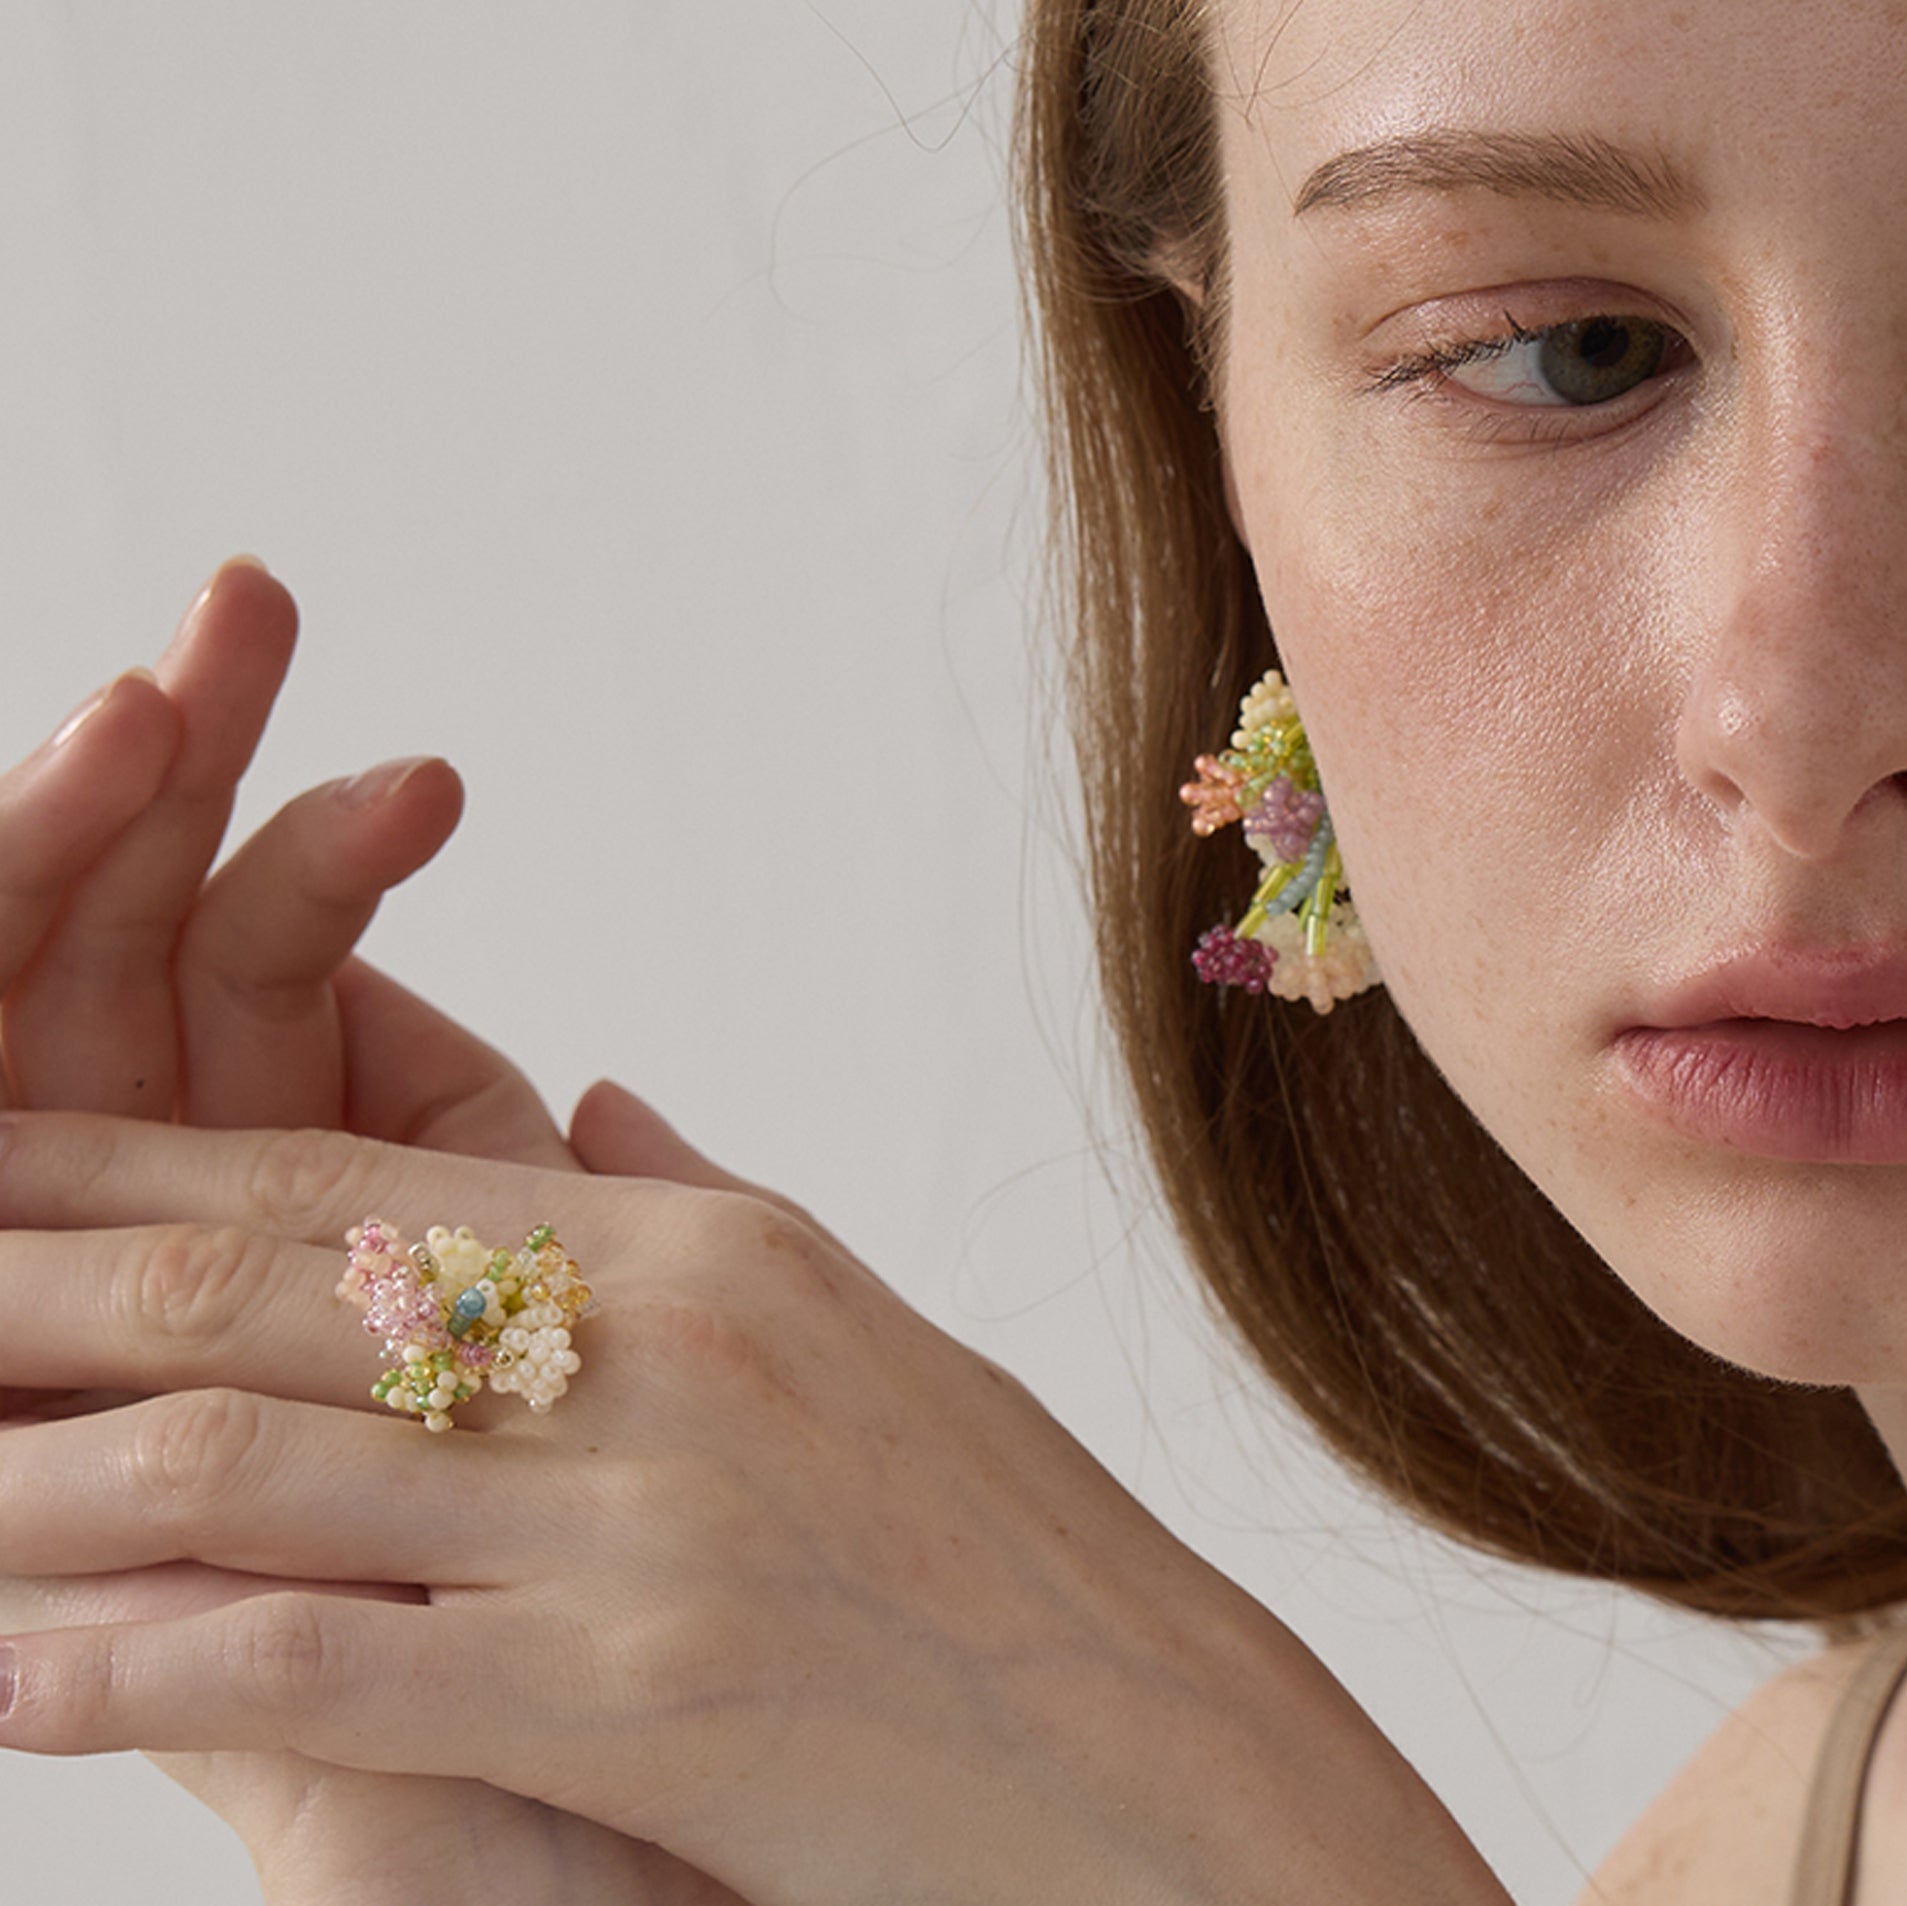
(1589,361)
(1585,362)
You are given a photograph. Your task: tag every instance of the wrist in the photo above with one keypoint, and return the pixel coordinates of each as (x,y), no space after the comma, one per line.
(446,1839)
(1244,1774)
(1309,1799)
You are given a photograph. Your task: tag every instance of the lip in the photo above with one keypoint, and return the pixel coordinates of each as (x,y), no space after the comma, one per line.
(1783,1052)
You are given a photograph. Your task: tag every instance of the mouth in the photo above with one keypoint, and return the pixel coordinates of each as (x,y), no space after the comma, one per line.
(1781,1053)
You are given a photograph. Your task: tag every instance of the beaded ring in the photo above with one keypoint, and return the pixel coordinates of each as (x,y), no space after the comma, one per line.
(455,1314)
(1300,938)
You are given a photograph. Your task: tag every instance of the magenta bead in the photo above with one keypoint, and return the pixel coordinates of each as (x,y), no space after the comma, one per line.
(1223,959)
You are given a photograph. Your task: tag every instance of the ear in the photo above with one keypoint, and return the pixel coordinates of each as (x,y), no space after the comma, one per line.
(1177,267)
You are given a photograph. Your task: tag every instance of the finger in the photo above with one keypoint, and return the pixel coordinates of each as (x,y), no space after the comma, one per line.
(176,1307)
(19,1406)
(32,1605)
(62,807)
(186,1307)
(260,1029)
(71,1170)
(324,1675)
(265,1486)
(419,1078)
(614,1132)
(92,1024)
(617,1134)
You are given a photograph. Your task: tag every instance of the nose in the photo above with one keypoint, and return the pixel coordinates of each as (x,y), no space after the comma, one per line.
(1795,717)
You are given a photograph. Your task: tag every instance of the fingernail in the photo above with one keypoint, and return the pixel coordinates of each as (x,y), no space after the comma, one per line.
(211,582)
(9,1680)
(231,562)
(378,784)
(83,714)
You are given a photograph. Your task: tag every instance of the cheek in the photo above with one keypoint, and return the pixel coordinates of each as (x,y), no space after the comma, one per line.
(1493,711)
(1472,706)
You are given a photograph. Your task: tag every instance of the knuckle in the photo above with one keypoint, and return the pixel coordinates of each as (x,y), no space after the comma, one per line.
(93,1688)
(190,1451)
(691,1348)
(758,1242)
(57,1165)
(189,1287)
(301,1180)
(287,1655)
(748,1287)
(719,1324)
(799,1213)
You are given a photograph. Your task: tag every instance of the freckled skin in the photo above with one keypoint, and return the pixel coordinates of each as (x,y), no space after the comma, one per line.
(1593,713)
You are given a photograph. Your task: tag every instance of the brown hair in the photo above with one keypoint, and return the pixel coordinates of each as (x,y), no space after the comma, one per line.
(1439,1323)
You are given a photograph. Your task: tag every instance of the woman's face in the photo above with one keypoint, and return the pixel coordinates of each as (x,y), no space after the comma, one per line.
(1601,636)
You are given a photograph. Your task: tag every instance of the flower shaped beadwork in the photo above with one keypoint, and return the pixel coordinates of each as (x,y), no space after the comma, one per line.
(454,1313)
(1300,938)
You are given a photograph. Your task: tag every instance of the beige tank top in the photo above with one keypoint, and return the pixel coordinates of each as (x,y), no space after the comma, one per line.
(1824,1869)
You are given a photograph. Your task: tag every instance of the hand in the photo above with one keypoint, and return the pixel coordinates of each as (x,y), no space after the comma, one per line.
(131,983)
(790,1584)
(320,1833)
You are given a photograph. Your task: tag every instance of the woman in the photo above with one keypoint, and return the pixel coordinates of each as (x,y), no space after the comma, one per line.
(1615,673)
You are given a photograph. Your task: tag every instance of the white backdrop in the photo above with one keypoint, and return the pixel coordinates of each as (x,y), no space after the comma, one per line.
(632,395)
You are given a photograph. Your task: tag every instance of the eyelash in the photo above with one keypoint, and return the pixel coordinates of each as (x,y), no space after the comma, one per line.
(1425,375)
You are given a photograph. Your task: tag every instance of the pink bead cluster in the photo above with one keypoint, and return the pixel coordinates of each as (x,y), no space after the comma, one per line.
(452,1313)
(1286,819)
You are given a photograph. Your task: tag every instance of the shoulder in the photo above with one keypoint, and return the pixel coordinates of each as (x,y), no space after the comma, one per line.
(1726,1829)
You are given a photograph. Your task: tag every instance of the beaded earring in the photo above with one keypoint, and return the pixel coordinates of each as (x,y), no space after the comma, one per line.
(1300,937)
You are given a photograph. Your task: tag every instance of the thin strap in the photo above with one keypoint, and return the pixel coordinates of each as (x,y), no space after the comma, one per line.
(1824,1872)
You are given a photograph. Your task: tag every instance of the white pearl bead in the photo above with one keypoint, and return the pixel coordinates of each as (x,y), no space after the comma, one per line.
(569,1363)
(436,1423)
(559,1339)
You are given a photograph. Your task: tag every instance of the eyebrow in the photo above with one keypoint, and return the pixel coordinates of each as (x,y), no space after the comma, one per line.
(1574,168)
